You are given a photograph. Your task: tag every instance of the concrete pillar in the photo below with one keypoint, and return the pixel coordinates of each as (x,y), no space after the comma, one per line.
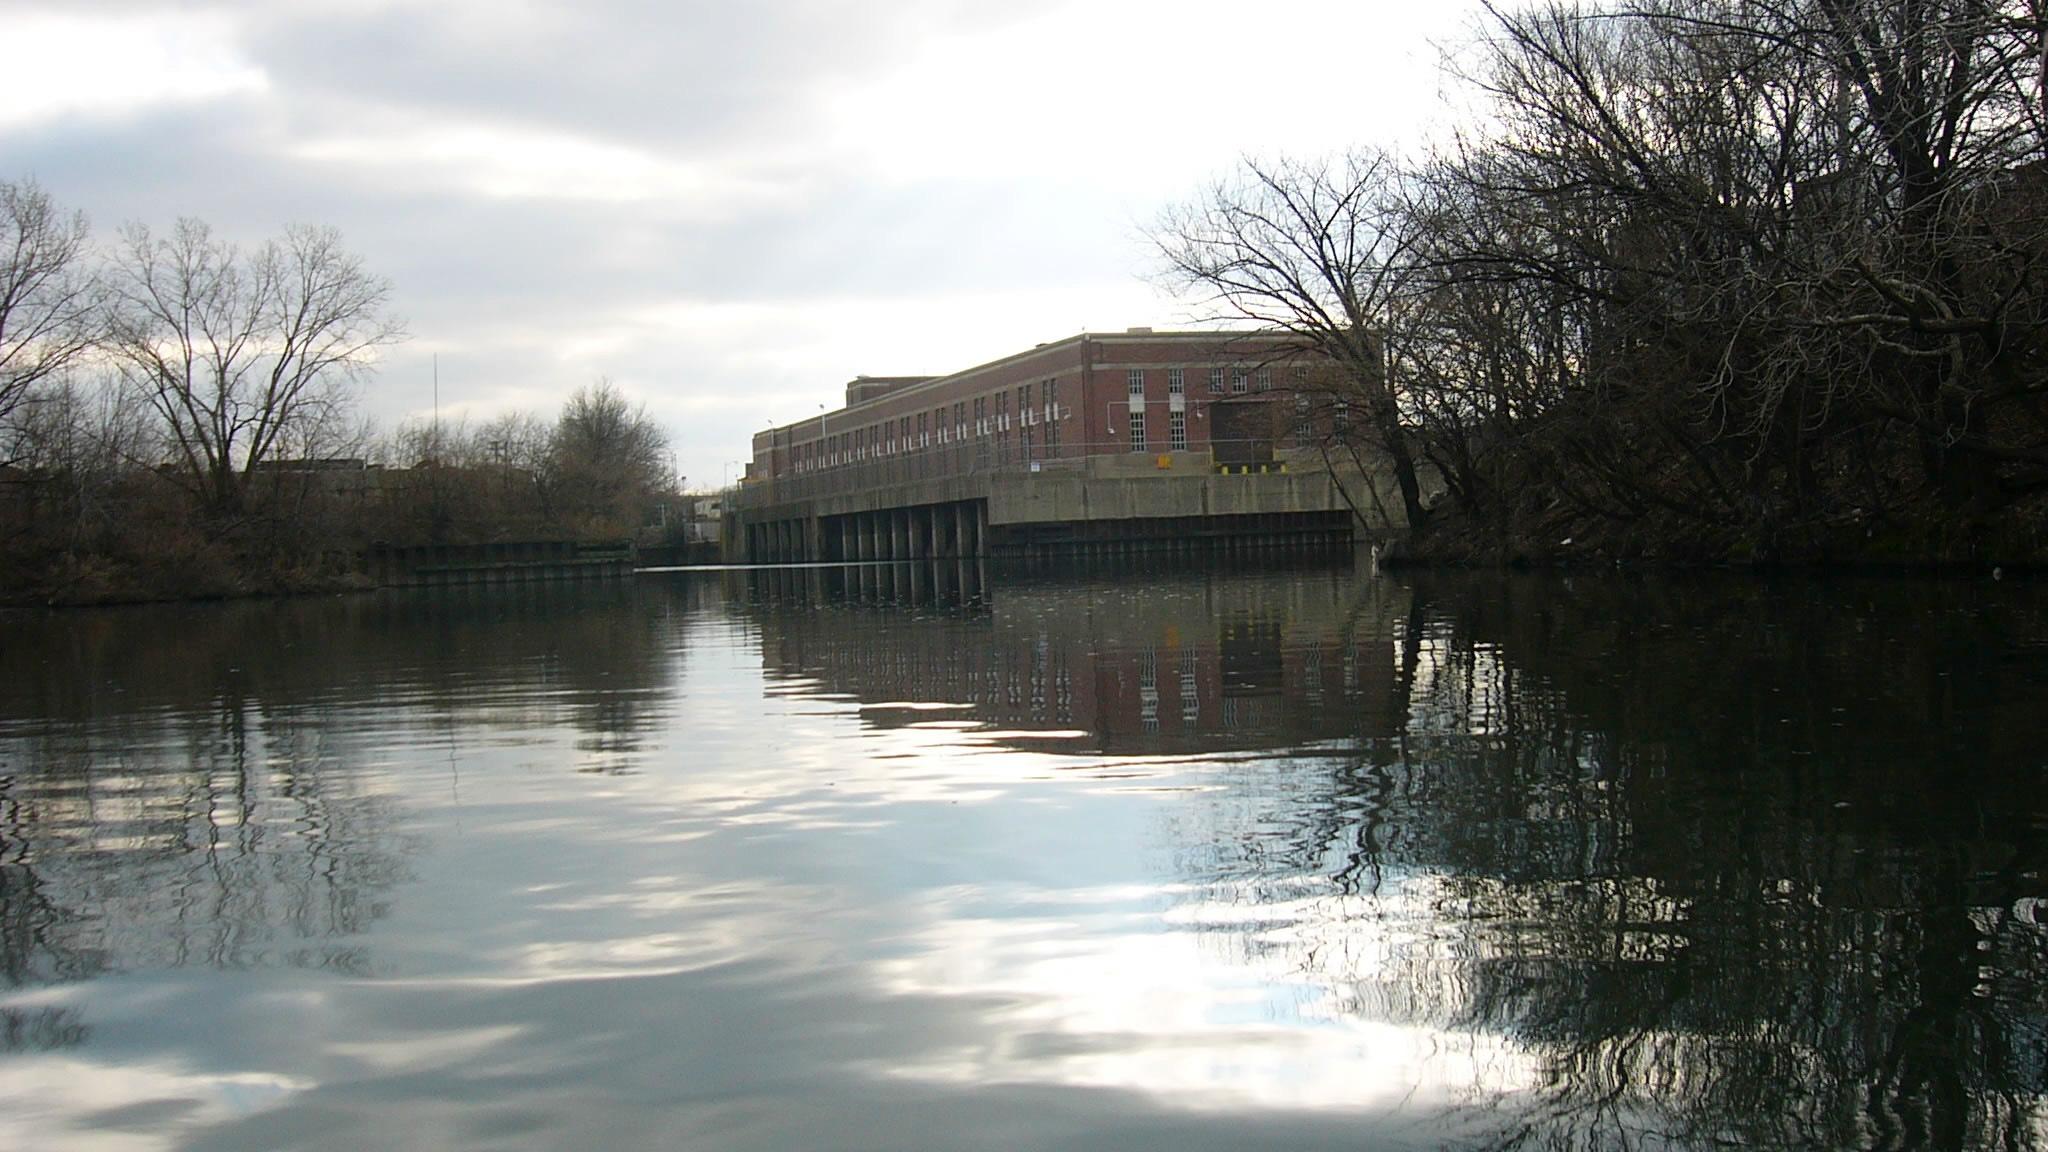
(899,532)
(981,528)
(960,529)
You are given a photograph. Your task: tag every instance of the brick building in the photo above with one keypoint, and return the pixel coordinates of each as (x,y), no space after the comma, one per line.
(1094,394)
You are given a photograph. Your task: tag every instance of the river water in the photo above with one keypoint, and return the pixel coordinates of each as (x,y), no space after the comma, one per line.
(943,859)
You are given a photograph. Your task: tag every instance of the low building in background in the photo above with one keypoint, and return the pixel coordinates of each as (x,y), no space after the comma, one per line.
(1094,441)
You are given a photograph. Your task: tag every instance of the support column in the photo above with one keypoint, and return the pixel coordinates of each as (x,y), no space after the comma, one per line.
(959,530)
(981,528)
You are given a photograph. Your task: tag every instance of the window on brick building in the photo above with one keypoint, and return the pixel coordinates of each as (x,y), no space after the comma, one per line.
(1177,431)
(1137,431)
(1216,380)
(1303,432)
(1135,381)
(1175,384)
(1238,380)
(1265,382)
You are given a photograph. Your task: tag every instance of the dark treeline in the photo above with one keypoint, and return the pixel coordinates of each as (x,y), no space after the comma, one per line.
(1699,279)
(178,418)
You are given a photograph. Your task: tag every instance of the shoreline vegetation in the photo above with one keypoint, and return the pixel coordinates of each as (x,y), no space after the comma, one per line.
(1696,282)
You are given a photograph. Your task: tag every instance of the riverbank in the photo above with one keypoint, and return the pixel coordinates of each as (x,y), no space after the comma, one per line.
(1557,536)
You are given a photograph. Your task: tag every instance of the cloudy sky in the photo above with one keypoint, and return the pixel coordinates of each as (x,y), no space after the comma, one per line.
(728,207)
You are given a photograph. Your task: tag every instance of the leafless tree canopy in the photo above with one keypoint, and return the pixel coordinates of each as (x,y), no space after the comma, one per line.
(240,354)
(48,302)
(1756,272)
(1320,250)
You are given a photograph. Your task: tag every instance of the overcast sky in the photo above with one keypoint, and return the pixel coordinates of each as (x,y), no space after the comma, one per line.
(729,208)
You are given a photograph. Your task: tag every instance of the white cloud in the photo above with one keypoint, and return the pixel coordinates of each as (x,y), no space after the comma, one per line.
(514,162)
(63,64)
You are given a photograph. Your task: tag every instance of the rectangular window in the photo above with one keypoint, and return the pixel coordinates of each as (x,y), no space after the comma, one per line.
(1265,380)
(1136,381)
(1002,411)
(1238,380)
(1024,404)
(1175,385)
(959,419)
(1137,431)
(1302,430)
(981,415)
(1177,431)
(923,430)
(1216,380)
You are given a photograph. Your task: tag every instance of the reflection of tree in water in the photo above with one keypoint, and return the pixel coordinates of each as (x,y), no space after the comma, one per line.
(205,785)
(225,838)
(1752,866)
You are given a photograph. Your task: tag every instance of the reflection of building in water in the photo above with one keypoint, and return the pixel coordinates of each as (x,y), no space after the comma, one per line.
(1181,663)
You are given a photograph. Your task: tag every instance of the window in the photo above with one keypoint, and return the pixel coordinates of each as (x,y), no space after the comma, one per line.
(1265,383)
(959,419)
(1175,385)
(1137,431)
(1024,404)
(923,433)
(1177,431)
(1002,411)
(1237,380)
(1135,378)
(981,415)
(1302,430)
(1216,380)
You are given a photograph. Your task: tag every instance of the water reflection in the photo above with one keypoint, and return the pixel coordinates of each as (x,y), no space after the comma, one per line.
(219,785)
(1187,663)
(896,856)
(1722,862)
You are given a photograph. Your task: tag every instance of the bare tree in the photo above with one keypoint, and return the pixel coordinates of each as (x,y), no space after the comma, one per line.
(607,458)
(1319,250)
(48,300)
(240,355)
